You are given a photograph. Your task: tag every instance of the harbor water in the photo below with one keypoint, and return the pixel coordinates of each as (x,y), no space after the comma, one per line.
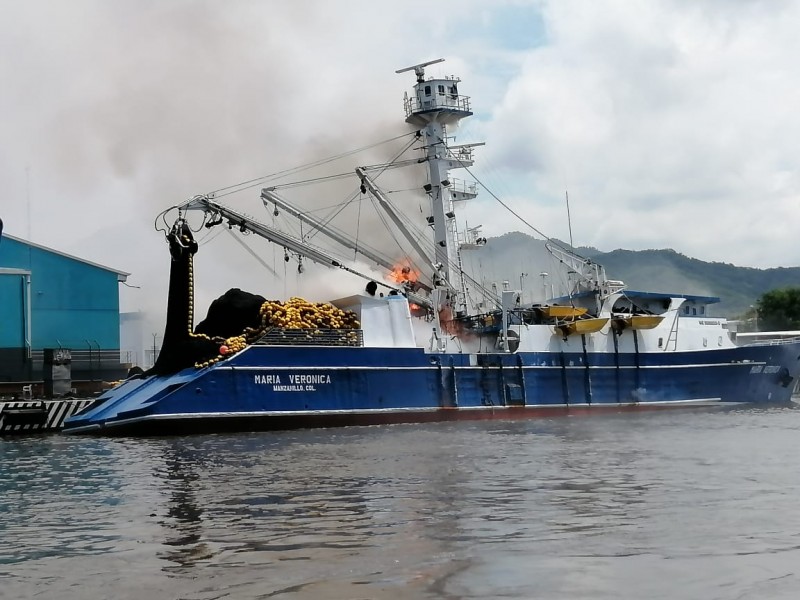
(678,504)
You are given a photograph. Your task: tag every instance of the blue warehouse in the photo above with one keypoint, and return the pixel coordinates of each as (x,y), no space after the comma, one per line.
(54,301)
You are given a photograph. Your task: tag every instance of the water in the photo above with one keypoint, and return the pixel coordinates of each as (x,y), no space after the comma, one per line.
(681,504)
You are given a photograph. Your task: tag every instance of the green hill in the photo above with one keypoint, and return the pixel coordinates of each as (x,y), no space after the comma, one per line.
(520,258)
(658,270)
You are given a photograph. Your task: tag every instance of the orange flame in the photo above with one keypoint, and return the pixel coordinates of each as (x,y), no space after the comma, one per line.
(403,272)
(416,310)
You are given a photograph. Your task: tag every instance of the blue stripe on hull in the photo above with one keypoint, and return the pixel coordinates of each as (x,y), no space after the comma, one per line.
(311,386)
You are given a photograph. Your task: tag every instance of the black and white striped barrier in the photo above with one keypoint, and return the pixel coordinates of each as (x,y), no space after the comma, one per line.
(38,416)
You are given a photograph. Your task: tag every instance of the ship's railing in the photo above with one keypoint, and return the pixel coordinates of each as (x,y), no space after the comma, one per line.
(437,102)
(460,155)
(780,341)
(83,358)
(460,186)
(88,365)
(471,238)
(312,337)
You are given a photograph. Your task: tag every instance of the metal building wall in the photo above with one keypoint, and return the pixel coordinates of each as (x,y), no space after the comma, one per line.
(73,304)
(13,310)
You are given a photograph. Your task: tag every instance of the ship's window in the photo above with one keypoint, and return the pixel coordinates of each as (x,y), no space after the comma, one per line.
(660,342)
(702,310)
(427,90)
(441,89)
(686,310)
(694,312)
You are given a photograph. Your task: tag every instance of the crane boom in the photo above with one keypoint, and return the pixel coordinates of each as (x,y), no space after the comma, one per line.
(246,223)
(268,195)
(390,210)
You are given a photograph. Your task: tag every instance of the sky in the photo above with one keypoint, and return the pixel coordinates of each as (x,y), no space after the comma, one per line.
(670,124)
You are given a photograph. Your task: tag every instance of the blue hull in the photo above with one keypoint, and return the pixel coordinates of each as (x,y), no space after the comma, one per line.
(280,387)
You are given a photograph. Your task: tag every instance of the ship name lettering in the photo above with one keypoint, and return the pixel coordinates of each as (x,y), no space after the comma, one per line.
(309,379)
(297,383)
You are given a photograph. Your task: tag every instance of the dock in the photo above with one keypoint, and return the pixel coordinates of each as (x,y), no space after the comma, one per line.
(26,409)
(38,416)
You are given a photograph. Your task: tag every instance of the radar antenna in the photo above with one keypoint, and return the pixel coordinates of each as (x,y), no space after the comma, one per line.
(419,69)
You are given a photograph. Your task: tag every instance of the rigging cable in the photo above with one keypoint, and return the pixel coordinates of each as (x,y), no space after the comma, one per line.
(358,230)
(327,220)
(251,251)
(301,168)
(513,212)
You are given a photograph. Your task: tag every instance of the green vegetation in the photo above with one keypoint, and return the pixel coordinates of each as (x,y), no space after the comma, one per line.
(779,310)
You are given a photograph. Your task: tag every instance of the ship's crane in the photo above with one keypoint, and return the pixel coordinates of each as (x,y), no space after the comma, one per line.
(270,196)
(589,275)
(391,212)
(218,213)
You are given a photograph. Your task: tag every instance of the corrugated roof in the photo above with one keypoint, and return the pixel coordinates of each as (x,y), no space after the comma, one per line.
(121,275)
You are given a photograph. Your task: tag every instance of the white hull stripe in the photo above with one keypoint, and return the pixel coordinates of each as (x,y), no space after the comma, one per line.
(369,411)
(525,367)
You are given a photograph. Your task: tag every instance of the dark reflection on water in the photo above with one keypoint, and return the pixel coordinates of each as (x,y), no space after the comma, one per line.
(684,504)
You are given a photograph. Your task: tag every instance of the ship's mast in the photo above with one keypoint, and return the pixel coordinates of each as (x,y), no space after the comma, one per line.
(436,104)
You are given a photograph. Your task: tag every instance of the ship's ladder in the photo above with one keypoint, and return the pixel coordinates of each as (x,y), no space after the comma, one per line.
(462,282)
(672,337)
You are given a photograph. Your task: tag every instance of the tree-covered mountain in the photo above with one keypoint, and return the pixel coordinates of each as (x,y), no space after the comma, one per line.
(522,260)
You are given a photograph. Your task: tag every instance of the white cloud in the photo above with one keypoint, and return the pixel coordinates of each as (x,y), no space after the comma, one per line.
(672,125)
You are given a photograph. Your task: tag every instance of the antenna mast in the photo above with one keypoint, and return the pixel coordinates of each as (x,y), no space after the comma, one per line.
(434,105)
(419,70)
(569,220)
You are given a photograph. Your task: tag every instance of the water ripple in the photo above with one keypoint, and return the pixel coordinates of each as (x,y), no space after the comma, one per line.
(689,504)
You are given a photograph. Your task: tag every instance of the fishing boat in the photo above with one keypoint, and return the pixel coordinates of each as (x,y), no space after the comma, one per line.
(428,342)
(621,322)
(581,326)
